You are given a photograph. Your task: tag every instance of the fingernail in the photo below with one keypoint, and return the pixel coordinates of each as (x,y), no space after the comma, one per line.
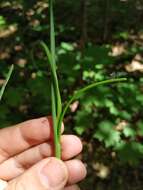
(54,173)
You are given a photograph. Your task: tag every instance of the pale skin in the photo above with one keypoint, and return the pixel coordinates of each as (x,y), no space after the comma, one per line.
(27,162)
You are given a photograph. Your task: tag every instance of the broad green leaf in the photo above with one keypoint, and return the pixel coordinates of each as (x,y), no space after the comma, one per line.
(107,134)
(2,22)
(67,46)
(140,128)
(130,152)
(129,132)
(14,96)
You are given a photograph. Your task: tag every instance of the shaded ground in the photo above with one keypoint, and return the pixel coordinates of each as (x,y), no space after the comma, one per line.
(110,174)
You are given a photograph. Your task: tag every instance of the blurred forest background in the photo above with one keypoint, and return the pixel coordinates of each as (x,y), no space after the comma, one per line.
(96,40)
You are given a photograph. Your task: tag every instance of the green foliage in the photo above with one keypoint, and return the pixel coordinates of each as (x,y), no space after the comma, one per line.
(2,22)
(101,47)
(58,112)
(131,151)
(105,132)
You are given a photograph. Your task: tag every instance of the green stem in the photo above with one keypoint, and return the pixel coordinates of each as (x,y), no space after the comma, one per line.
(55,92)
(54,96)
(56,140)
(57,113)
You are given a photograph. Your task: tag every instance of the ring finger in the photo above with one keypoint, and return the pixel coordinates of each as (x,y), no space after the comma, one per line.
(15,166)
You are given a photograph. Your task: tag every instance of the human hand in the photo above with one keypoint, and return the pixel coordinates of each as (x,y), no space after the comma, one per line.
(26,160)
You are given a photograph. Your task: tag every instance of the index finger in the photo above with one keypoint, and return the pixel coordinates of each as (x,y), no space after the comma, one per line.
(18,138)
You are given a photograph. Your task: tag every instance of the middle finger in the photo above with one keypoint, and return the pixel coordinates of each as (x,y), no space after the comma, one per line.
(15,166)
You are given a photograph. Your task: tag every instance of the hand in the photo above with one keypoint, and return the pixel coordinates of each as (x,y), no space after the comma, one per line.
(26,160)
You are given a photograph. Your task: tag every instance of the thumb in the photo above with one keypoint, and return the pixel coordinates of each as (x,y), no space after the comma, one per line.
(48,174)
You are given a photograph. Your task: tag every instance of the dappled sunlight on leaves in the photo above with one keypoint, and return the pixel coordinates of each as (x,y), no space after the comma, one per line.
(121,125)
(102,171)
(74,106)
(4,33)
(117,50)
(136,64)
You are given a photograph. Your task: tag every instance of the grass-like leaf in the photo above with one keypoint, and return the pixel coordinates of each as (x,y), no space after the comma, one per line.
(78,93)
(53,57)
(6,81)
(57,112)
(55,92)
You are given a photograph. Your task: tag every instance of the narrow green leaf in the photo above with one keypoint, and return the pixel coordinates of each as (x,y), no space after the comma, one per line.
(97,84)
(54,78)
(53,58)
(6,82)
(78,93)
(55,92)
(52,35)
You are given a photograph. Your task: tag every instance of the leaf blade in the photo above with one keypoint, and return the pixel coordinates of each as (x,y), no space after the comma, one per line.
(79,92)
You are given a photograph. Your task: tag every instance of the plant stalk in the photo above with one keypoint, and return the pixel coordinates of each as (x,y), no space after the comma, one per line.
(55,92)
(57,112)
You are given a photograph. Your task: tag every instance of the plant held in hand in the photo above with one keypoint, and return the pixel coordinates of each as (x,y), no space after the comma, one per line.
(58,112)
